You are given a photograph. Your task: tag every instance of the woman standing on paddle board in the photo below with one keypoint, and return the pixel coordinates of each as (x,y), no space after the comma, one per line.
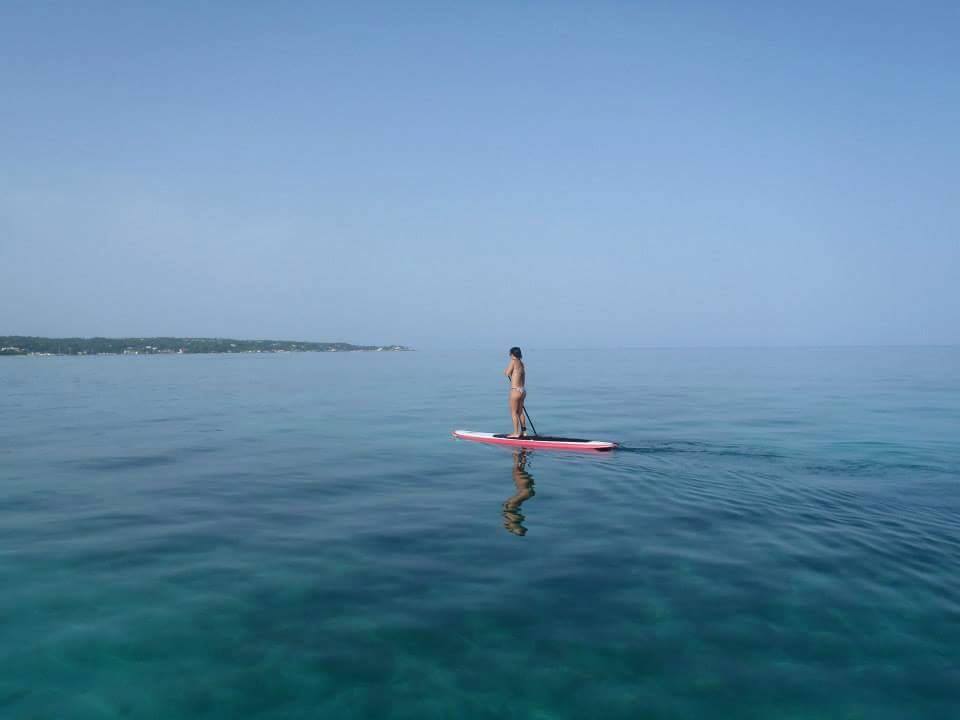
(517,374)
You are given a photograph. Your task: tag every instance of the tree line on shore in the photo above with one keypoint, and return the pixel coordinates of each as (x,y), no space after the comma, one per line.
(26,345)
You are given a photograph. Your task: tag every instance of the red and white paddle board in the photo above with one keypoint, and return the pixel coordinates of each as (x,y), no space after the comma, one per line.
(531,442)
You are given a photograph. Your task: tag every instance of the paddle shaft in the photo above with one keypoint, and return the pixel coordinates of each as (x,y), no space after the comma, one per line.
(530,421)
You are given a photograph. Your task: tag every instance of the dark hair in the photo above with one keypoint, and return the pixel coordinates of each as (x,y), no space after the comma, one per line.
(515,351)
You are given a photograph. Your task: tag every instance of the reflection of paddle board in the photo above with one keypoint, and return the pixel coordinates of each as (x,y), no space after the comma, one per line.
(536,441)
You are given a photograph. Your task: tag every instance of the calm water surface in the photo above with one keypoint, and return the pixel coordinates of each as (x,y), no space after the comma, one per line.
(297,536)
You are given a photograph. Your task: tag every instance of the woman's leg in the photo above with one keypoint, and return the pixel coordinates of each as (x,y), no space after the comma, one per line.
(515,405)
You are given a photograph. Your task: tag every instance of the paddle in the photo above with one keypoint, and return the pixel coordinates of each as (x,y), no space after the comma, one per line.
(535,433)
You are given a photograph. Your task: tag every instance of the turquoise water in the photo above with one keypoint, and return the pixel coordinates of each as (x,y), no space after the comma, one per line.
(293,536)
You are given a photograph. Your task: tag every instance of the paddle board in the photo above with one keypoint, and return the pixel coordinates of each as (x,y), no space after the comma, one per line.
(531,442)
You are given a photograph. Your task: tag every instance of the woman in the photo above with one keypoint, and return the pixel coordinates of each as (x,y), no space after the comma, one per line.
(517,374)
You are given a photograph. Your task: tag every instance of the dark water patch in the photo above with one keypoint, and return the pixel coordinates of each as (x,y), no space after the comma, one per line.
(164,419)
(116,463)
(861,468)
(690,447)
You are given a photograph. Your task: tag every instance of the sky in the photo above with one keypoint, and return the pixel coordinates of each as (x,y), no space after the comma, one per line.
(549,174)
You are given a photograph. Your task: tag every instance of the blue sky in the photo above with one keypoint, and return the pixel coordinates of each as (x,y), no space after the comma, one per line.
(469,174)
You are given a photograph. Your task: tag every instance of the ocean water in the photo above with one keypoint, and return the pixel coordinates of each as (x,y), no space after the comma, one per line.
(297,536)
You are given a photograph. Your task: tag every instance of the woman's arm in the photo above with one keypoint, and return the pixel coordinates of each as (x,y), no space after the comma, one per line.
(509,371)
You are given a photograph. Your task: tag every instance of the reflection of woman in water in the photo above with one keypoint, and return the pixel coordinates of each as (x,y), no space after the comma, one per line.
(512,517)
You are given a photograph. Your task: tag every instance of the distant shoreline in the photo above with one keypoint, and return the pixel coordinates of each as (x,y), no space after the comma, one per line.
(21,345)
